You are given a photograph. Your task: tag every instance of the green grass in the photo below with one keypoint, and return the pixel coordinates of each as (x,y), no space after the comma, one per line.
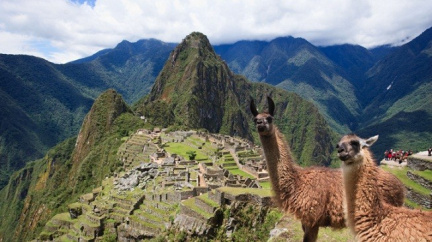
(207,200)
(237,171)
(181,149)
(265,184)
(427,174)
(254,191)
(295,232)
(62,217)
(400,173)
(191,204)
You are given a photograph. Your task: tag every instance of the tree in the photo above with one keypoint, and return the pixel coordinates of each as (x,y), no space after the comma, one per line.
(192,154)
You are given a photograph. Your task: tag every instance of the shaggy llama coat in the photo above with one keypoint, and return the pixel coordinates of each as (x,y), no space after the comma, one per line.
(314,194)
(369,217)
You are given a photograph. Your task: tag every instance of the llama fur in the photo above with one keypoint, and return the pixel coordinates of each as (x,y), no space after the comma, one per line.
(313,194)
(369,216)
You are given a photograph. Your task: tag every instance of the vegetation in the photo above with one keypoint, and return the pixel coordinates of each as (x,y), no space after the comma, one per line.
(43,103)
(44,186)
(401,174)
(183,149)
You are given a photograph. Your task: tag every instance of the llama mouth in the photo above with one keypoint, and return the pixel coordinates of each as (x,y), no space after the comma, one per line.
(261,128)
(344,158)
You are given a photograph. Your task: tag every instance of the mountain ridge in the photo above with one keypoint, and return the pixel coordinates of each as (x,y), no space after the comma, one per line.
(342,105)
(196,89)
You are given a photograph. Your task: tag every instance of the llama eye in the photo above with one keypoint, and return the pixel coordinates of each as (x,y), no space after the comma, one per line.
(337,146)
(255,120)
(354,143)
(269,119)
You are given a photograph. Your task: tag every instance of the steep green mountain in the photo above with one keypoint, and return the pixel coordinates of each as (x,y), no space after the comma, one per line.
(78,165)
(355,60)
(296,65)
(196,89)
(39,108)
(130,68)
(44,103)
(397,96)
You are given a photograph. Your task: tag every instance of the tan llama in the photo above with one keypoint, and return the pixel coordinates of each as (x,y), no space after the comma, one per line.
(314,194)
(369,217)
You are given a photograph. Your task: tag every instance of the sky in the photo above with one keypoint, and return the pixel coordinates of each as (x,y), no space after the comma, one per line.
(65,30)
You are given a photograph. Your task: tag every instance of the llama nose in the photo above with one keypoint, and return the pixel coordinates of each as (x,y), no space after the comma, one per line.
(340,149)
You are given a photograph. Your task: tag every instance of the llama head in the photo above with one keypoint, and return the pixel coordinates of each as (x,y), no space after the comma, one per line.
(351,148)
(263,121)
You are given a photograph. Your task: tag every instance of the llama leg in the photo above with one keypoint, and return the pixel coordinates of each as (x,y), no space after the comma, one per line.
(310,233)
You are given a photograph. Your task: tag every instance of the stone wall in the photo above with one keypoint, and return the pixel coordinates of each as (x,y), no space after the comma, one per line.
(424,200)
(185,210)
(204,206)
(419,164)
(187,194)
(199,190)
(191,225)
(217,196)
(420,180)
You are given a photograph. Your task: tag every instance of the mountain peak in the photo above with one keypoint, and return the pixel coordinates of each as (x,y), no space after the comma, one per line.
(194,84)
(190,66)
(106,108)
(196,40)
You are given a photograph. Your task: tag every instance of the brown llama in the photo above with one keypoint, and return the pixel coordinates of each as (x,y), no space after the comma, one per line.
(369,217)
(313,194)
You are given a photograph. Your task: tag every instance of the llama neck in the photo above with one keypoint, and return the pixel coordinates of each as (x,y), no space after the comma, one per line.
(282,171)
(362,201)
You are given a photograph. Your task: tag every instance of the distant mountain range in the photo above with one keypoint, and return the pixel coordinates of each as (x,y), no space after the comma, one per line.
(386,90)
(194,90)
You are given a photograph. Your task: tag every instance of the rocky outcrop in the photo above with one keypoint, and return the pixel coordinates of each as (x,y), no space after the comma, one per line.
(420,164)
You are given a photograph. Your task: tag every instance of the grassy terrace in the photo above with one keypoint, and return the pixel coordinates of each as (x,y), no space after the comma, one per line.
(190,203)
(427,174)
(148,225)
(157,219)
(248,154)
(265,184)
(237,171)
(204,197)
(229,164)
(181,149)
(400,173)
(237,191)
(153,208)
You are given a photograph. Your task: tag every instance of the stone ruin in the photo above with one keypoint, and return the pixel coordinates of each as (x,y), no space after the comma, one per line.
(137,177)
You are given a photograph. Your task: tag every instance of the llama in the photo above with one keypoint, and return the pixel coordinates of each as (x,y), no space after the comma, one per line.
(314,194)
(368,216)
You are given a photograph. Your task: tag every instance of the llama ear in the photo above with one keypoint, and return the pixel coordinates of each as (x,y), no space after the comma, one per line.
(371,141)
(253,108)
(271,105)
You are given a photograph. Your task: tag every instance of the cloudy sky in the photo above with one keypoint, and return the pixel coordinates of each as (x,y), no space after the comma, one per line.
(65,30)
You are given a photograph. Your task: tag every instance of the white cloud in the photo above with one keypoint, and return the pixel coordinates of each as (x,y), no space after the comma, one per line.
(64,30)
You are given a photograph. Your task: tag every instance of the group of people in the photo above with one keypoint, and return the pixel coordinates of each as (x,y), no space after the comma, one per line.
(397,155)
